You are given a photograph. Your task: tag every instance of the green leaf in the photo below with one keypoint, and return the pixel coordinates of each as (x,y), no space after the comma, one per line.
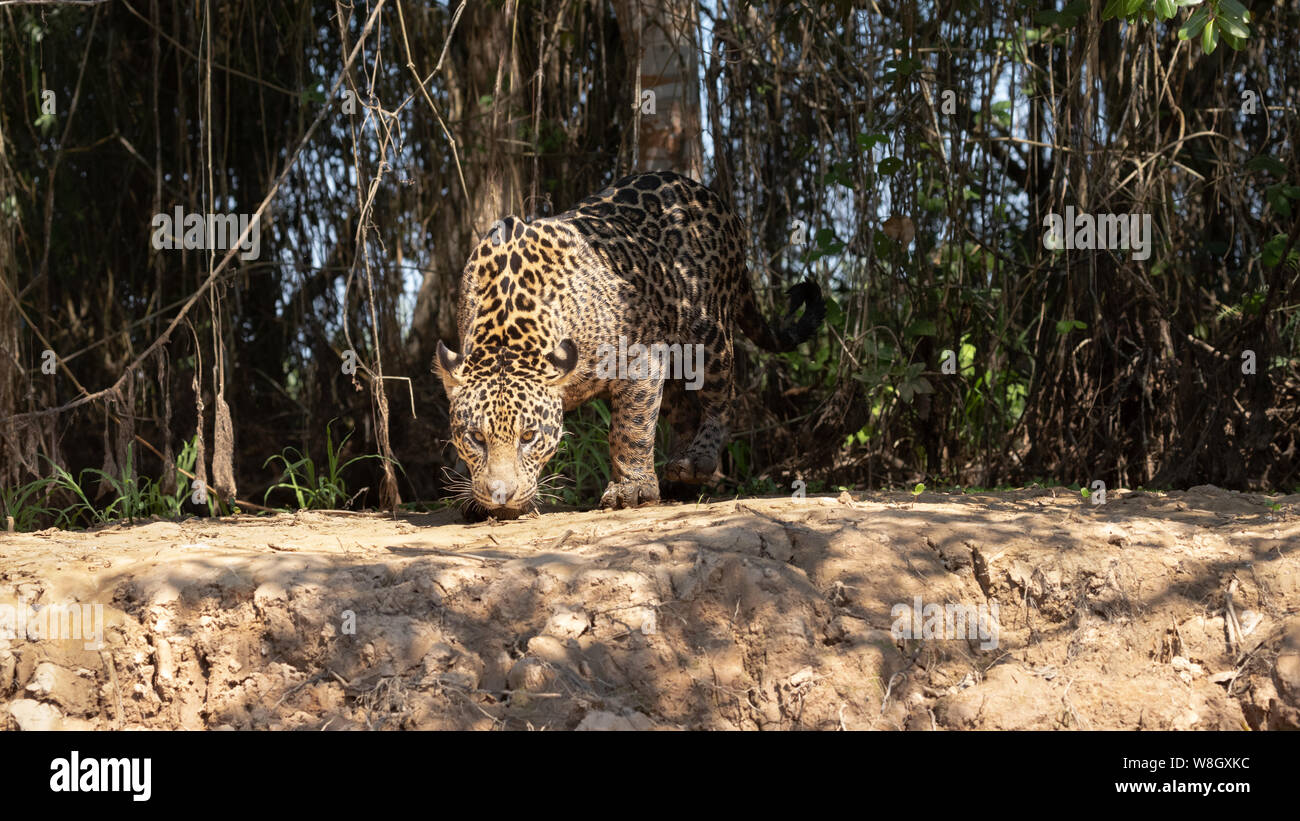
(1276,197)
(1194,24)
(922,327)
(908,66)
(1165,9)
(1263,162)
(1209,39)
(1074,10)
(1233,26)
(1232,8)
(882,243)
(1271,253)
(841,173)
(834,313)
(869,141)
(827,244)
(888,165)
(1253,303)
(919,489)
(1113,8)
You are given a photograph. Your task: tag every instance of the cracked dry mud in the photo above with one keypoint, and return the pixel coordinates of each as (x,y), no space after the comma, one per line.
(754,614)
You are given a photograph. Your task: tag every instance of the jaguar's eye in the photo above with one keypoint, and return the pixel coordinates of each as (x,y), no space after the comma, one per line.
(477,437)
(528,436)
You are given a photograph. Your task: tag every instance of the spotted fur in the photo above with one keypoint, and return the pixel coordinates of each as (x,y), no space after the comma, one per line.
(655,258)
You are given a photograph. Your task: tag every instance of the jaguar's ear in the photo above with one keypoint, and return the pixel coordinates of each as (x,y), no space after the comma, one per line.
(448,363)
(564,359)
(503,230)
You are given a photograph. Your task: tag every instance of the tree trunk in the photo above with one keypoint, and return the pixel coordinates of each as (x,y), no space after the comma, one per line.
(660,37)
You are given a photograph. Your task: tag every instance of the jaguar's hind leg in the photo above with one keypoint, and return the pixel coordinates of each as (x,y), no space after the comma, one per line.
(682,412)
(698,461)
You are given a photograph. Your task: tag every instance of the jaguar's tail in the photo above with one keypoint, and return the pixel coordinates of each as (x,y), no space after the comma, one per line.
(786,335)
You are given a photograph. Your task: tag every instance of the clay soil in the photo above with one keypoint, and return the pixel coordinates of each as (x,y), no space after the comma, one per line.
(1178,610)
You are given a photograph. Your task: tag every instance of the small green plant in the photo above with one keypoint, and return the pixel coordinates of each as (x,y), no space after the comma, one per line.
(68,517)
(761,486)
(131,493)
(579,471)
(32,505)
(173,505)
(134,496)
(313,490)
(739,451)
(26,504)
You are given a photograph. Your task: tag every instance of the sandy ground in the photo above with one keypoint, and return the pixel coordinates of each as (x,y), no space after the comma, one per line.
(1151,611)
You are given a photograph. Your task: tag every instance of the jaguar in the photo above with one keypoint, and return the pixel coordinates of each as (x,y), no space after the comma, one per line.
(550,308)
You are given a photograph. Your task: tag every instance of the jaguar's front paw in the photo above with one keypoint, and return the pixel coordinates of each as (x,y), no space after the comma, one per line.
(630,493)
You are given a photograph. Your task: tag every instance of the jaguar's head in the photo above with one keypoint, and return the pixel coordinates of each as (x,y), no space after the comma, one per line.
(507,417)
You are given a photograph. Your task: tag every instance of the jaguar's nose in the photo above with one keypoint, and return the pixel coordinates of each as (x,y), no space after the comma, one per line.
(497,492)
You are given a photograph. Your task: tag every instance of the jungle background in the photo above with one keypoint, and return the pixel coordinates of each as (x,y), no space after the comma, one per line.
(903,154)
